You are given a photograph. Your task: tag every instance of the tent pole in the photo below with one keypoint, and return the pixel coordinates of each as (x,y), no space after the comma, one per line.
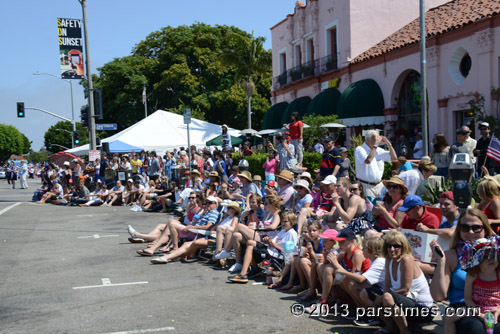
(189,149)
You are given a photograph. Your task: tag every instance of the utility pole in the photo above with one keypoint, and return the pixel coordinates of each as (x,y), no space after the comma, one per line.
(423,79)
(92,136)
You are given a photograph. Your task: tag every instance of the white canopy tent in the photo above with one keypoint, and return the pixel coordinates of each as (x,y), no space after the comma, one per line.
(163,131)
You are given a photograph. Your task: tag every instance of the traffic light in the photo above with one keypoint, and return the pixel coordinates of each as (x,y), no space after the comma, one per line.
(20,109)
(49,147)
(85,116)
(98,104)
(76,137)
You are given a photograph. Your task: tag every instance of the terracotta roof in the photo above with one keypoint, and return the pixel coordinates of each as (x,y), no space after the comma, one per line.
(439,20)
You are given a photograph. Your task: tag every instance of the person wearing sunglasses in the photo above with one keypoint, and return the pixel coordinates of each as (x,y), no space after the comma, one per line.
(417,213)
(386,211)
(449,277)
(405,285)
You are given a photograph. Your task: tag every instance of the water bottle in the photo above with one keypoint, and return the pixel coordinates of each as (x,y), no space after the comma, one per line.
(490,322)
(288,251)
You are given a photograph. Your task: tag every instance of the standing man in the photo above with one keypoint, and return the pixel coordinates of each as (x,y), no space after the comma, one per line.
(330,161)
(482,147)
(154,168)
(470,143)
(418,149)
(226,139)
(296,134)
(23,173)
(370,161)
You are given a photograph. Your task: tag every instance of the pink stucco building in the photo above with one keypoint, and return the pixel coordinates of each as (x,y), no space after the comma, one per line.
(360,60)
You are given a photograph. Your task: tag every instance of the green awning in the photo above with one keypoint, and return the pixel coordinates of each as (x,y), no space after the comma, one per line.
(362,103)
(299,105)
(217,141)
(325,103)
(272,118)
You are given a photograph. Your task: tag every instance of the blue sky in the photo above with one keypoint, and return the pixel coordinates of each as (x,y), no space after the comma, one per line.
(28,35)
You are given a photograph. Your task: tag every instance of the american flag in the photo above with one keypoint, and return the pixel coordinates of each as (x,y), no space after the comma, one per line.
(494,149)
(144,95)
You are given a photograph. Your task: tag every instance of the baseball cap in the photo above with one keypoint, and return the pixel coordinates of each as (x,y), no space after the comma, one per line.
(461,131)
(345,234)
(343,150)
(272,183)
(410,202)
(329,234)
(211,199)
(447,195)
(486,124)
(328,139)
(330,179)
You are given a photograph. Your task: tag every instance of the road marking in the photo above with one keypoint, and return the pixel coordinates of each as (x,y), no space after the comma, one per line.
(139,331)
(99,214)
(97,236)
(9,207)
(258,283)
(106,282)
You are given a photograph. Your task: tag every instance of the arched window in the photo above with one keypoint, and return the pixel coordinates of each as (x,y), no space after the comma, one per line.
(409,103)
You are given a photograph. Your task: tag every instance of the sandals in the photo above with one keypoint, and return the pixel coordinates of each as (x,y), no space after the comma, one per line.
(142,252)
(275,286)
(136,240)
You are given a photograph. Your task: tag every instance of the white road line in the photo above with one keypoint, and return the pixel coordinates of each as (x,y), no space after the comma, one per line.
(139,331)
(9,207)
(106,282)
(97,236)
(258,283)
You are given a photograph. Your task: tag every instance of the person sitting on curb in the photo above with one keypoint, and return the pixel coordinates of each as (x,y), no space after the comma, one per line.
(115,194)
(285,183)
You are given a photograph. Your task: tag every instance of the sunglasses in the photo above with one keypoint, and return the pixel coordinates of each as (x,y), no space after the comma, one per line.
(192,197)
(395,246)
(474,228)
(392,186)
(353,189)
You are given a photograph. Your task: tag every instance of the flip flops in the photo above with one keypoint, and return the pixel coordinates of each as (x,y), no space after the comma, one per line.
(142,252)
(136,240)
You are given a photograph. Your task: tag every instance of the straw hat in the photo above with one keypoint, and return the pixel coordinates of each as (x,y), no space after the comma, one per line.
(306,176)
(302,183)
(246,175)
(286,175)
(195,171)
(396,180)
(257,178)
(233,205)
(214,174)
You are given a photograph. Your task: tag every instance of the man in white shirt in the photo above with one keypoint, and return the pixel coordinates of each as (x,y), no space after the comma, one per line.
(318,147)
(418,149)
(470,143)
(370,162)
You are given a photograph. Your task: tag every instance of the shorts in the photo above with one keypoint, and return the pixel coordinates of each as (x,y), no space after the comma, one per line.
(373,292)
(406,302)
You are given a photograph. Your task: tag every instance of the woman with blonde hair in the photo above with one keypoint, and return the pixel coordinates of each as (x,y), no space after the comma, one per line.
(487,191)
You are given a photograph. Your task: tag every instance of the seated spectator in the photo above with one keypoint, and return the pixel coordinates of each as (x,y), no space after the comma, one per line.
(98,197)
(450,212)
(248,185)
(404,164)
(227,225)
(271,188)
(357,189)
(275,246)
(387,214)
(363,287)
(416,213)
(167,200)
(81,194)
(285,183)
(151,196)
(234,174)
(115,194)
(487,191)
(243,233)
(412,178)
(126,192)
(56,193)
(350,208)
(405,284)
(136,193)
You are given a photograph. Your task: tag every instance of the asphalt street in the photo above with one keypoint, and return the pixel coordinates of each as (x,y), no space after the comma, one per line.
(72,270)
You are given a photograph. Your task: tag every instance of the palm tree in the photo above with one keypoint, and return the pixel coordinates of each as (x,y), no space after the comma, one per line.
(247,57)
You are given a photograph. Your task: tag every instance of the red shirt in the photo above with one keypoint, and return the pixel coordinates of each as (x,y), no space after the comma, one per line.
(428,219)
(295,129)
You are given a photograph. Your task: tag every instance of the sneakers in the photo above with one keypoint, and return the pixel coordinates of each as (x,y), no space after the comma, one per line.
(367,321)
(235,268)
(314,306)
(254,273)
(239,279)
(159,260)
(131,231)
(222,255)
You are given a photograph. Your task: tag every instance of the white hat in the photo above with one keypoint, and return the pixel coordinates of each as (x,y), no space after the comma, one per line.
(330,179)
(212,199)
(66,163)
(302,183)
(75,160)
(486,124)
(99,181)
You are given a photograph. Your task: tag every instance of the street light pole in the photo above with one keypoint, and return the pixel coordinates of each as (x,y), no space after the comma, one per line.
(423,79)
(72,104)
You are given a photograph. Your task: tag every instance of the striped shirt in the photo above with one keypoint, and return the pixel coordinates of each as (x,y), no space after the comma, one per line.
(209,217)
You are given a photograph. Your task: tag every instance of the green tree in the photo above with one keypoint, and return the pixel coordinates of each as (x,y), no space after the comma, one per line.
(315,131)
(248,58)
(12,141)
(180,66)
(61,134)
(38,157)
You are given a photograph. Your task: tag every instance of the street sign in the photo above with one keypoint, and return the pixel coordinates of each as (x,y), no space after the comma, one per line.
(187,116)
(94,155)
(106,126)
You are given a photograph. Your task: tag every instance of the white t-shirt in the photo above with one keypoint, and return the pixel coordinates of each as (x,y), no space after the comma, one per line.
(300,203)
(375,275)
(141,187)
(419,145)
(281,239)
(412,179)
(373,171)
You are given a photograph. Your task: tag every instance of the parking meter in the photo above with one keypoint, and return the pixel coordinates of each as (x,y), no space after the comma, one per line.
(461,170)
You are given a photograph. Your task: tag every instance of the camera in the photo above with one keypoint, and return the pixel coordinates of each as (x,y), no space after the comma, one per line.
(461,170)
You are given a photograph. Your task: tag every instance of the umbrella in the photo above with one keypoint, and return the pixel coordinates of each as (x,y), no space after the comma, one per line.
(248,131)
(60,157)
(268,132)
(217,141)
(332,125)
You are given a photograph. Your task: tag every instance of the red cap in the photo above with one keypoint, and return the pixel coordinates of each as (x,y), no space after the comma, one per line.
(447,195)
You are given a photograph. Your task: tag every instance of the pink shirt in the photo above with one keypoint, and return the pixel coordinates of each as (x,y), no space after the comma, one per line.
(270,166)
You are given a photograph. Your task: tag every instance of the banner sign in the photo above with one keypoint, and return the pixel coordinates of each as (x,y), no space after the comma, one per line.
(94,155)
(70,48)
(419,242)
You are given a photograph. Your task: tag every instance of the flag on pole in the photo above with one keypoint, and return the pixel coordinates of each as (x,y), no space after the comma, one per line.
(144,95)
(494,149)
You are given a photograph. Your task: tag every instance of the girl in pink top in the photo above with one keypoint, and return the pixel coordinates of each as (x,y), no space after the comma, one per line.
(270,166)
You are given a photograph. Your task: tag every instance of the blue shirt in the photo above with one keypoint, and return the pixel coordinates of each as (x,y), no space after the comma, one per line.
(446,224)
(406,166)
(209,217)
